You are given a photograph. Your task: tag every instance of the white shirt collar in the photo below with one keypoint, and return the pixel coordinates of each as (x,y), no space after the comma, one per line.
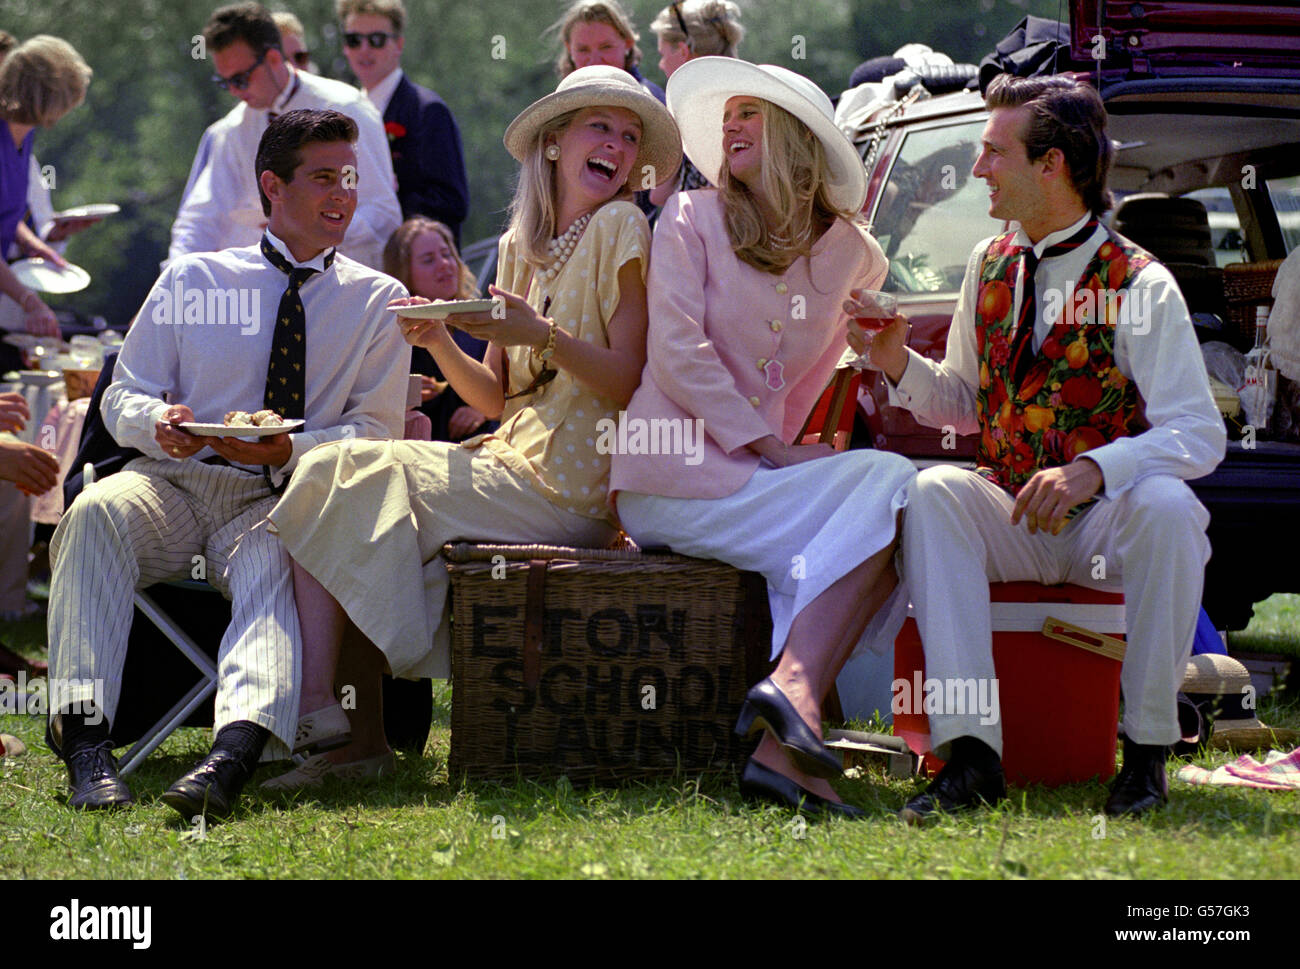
(1052,238)
(290,89)
(318,263)
(382,92)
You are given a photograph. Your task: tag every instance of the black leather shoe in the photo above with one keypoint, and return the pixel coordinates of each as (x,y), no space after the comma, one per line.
(766,707)
(1142,783)
(93,777)
(965,782)
(211,789)
(763,782)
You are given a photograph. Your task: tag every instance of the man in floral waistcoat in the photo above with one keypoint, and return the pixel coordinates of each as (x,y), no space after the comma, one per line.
(1071,354)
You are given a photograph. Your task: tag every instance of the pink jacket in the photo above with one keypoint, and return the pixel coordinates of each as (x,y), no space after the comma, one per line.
(745,352)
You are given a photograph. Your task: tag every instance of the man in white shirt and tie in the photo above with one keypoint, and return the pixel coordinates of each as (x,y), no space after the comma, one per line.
(220,208)
(288,324)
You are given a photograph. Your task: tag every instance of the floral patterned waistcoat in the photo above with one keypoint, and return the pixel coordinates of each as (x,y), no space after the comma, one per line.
(1071,397)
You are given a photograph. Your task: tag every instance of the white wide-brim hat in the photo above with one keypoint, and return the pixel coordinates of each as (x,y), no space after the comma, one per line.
(698,92)
(602,86)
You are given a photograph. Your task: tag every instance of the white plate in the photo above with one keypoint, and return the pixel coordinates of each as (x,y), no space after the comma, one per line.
(221,430)
(440,309)
(46,277)
(25,341)
(96,210)
(39,378)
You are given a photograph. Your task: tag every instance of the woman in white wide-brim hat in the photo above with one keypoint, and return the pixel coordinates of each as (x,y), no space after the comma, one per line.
(746,288)
(364,520)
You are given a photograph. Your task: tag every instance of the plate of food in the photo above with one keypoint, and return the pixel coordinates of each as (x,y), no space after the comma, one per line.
(442,308)
(26,341)
(45,277)
(96,210)
(239,423)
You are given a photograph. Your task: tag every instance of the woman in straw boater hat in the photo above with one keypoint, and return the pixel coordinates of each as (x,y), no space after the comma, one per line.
(746,288)
(364,520)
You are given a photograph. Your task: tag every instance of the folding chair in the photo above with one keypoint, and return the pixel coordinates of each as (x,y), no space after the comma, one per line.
(203,690)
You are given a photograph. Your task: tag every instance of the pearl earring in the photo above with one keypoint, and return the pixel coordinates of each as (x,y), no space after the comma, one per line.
(553,152)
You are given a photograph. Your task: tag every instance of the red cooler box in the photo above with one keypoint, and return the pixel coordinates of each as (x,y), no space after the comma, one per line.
(1057,650)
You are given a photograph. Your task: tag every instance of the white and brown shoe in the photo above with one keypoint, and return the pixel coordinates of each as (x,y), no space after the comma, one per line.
(325,729)
(313,771)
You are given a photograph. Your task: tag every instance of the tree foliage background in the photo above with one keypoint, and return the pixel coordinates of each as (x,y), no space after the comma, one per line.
(134,139)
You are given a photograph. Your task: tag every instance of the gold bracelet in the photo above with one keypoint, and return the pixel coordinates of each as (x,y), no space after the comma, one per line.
(549,350)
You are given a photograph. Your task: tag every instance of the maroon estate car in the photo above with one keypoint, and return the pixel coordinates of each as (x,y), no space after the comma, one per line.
(1204,100)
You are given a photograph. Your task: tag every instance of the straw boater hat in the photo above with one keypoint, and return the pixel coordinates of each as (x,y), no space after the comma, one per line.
(698,92)
(602,86)
(1216,681)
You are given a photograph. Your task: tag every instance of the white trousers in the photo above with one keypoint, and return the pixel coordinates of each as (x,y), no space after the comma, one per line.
(147,524)
(958,537)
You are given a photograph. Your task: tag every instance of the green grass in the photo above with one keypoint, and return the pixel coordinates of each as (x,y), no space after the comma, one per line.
(1275,628)
(422,825)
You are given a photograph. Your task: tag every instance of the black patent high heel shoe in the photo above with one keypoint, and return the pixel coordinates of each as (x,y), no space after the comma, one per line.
(760,781)
(767,708)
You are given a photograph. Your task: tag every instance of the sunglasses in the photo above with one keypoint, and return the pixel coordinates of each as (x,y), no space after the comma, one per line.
(237,82)
(681,23)
(376,39)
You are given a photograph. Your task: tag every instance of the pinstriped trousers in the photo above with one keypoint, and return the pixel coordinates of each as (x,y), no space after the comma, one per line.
(149,523)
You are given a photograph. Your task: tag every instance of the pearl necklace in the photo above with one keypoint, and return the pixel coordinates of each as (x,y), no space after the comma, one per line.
(561,247)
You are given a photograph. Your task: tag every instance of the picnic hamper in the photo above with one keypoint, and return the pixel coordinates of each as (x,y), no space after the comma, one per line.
(600,664)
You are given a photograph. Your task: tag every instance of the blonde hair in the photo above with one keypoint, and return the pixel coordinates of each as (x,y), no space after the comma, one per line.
(397,254)
(287,23)
(714,26)
(795,179)
(41,80)
(533,210)
(392,9)
(595,12)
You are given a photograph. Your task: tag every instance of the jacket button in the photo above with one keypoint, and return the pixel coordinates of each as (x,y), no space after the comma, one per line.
(762,362)
(755,401)
(782,288)
(776,326)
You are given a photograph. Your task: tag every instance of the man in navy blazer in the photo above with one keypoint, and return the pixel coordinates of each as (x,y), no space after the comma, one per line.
(422,134)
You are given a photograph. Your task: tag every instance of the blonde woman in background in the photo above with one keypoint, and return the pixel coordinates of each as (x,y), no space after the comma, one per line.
(600,32)
(686,30)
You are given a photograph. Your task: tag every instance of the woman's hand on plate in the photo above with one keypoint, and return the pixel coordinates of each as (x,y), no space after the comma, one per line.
(512,323)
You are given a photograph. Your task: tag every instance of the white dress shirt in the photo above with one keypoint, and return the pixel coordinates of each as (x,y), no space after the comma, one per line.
(1155,346)
(222,207)
(179,350)
(382,92)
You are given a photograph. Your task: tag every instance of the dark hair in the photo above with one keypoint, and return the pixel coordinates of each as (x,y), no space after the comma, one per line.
(1064,114)
(278,150)
(249,22)
(7,42)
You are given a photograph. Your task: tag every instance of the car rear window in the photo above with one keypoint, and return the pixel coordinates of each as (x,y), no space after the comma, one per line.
(932,212)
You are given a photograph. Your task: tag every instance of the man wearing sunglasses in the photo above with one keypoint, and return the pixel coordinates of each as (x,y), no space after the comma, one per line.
(422,133)
(220,208)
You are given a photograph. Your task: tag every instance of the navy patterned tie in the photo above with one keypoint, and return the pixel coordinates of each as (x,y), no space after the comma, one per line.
(286,374)
(1024,335)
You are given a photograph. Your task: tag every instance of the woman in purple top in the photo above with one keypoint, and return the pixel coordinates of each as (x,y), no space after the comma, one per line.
(40,81)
